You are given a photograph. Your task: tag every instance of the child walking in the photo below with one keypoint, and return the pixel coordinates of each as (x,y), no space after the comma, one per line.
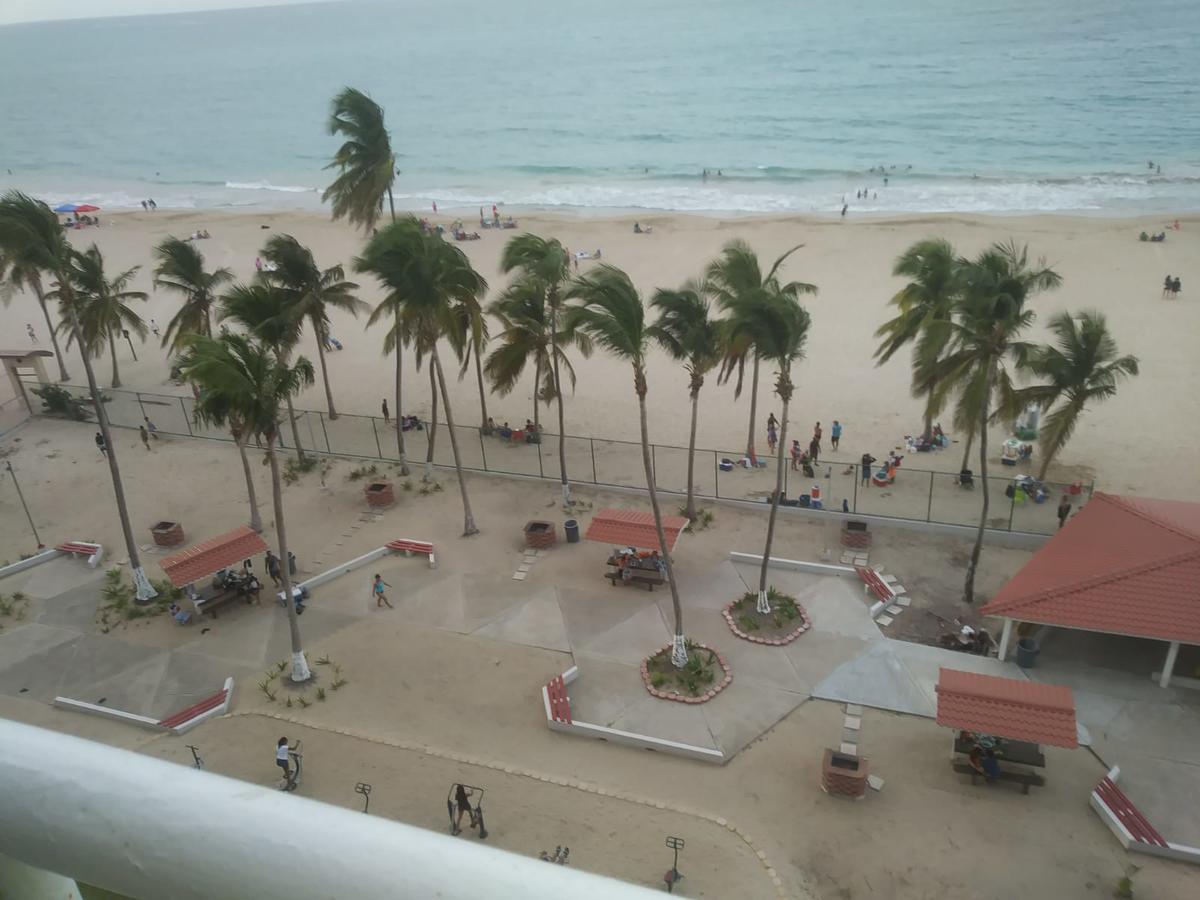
(377,590)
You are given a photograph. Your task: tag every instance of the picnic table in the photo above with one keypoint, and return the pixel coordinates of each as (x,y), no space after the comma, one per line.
(641,571)
(208,599)
(1021,752)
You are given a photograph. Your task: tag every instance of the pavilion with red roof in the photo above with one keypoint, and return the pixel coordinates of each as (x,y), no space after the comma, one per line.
(1122,565)
(629,528)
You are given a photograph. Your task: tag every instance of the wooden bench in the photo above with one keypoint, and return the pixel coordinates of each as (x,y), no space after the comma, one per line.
(208,605)
(647,577)
(1025,779)
(91,552)
(876,585)
(560,703)
(175,721)
(409,547)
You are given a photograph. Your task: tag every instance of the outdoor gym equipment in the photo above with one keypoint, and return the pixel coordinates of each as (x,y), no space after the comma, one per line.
(476,814)
(674,876)
(196,755)
(365,789)
(293,778)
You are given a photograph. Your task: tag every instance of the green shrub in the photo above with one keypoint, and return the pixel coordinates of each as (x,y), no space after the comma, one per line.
(58,401)
(363,472)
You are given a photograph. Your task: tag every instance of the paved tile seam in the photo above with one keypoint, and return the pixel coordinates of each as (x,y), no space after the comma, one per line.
(572,784)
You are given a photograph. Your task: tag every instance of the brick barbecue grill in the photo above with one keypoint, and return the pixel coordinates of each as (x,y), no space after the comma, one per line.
(167,534)
(380,493)
(540,535)
(843,775)
(855,535)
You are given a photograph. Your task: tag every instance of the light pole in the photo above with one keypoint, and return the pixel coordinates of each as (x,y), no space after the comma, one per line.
(129,341)
(25,507)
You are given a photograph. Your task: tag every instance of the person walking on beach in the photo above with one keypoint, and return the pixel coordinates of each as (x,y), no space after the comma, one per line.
(814,449)
(387,418)
(273,568)
(154,327)
(145,436)
(29,330)
(258,263)
(151,428)
(867,460)
(1064,510)
(377,589)
(835,434)
(101,445)
(772,432)
(796,456)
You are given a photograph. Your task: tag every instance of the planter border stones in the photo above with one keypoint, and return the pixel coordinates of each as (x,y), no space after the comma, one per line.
(718,685)
(804,620)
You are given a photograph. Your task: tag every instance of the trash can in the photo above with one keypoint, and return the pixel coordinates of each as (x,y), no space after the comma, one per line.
(571,527)
(1027,651)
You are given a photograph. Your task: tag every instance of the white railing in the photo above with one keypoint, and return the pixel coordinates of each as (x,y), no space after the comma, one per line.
(147,829)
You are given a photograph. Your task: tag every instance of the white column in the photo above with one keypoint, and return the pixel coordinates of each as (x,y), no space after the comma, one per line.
(1004,638)
(1169,665)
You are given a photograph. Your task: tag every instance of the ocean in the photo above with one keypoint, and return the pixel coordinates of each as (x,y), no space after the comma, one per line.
(1004,106)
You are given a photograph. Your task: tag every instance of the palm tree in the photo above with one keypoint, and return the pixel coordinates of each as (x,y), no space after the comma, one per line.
(218,408)
(776,325)
(30,234)
(932,269)
(23,262)
(610,312)
(737,282)
(105,315)
(525,335)
(1081,367)
(688,332)
(469,337)
(545,264)
(252,380)
(365,162)
(264,310)
(989,318)
(181,269)
(311,292)
(426,280)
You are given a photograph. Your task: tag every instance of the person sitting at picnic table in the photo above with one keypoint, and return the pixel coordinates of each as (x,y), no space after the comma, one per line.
(179,614)
(505,431)
(490,427)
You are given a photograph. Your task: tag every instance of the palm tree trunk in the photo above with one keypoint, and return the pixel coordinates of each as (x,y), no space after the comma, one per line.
(690,509)
(967,450)
(295,430)
(392,207)
(300,670)
(41,299)
(537,391)
(482,392)
(399,419)
(468,518)
(251,494)
(753,410)
(432,424)
(325,375)
(558,396)
(112,349)
(1074,408)
(143,590)
(764,603)
(969,587)
(679,656)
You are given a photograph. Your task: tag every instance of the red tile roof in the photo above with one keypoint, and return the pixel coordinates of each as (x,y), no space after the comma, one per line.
(1122,565)
(1007,707)
(192,564)
(627,528)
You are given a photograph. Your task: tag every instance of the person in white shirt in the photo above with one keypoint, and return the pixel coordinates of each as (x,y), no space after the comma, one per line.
(281,758)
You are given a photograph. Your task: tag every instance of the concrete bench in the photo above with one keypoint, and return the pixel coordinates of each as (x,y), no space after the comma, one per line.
(874,584)
(1025,779)
(409,547)
(213,705)
(557,700)
(92,552)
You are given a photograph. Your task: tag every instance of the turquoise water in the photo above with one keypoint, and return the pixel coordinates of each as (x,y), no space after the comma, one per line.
(1003,106)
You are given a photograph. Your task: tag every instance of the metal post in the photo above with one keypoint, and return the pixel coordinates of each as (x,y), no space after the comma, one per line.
(325,433)
(186,421)
(541,466)
(592,444)
(21,496)
(929,508)
(140,405)
(1012,507)
(375,431)
(130,341)
(854,504)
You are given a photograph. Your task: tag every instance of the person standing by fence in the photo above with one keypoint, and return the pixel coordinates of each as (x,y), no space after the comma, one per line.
(383,407)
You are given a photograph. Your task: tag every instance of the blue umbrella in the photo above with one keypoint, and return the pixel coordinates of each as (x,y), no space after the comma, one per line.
(66,207)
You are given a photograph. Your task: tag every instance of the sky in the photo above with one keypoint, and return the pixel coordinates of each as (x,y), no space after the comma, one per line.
(12,11)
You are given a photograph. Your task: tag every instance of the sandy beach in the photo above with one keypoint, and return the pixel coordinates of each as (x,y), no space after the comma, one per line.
(1141,441)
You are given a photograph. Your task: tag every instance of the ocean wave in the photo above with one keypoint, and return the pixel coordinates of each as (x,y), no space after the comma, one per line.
(267,186)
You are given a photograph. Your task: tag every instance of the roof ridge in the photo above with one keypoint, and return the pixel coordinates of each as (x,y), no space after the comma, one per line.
(996,698)
(1097,580)
(1120,501)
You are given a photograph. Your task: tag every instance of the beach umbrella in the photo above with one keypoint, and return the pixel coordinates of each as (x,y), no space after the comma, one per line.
(86,207)
(67,207)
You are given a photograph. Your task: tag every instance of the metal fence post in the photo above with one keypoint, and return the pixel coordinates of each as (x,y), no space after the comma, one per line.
(541,467)
(929,508)
(716,476)
(592,444)
(325,433)
(186,421)
(1012,508)
(142,408)
(856,474)
(375,431)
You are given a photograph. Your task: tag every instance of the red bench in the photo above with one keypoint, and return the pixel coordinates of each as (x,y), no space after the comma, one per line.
(186,715)
(91,552)
(410,547)
(1127,814)
(560,703)
(876,585)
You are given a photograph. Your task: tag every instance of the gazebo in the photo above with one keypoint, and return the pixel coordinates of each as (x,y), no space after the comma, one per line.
(200,560)
(1121,565)
(629,528)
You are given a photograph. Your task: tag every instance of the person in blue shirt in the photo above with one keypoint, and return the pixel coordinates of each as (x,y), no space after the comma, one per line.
(835,434)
